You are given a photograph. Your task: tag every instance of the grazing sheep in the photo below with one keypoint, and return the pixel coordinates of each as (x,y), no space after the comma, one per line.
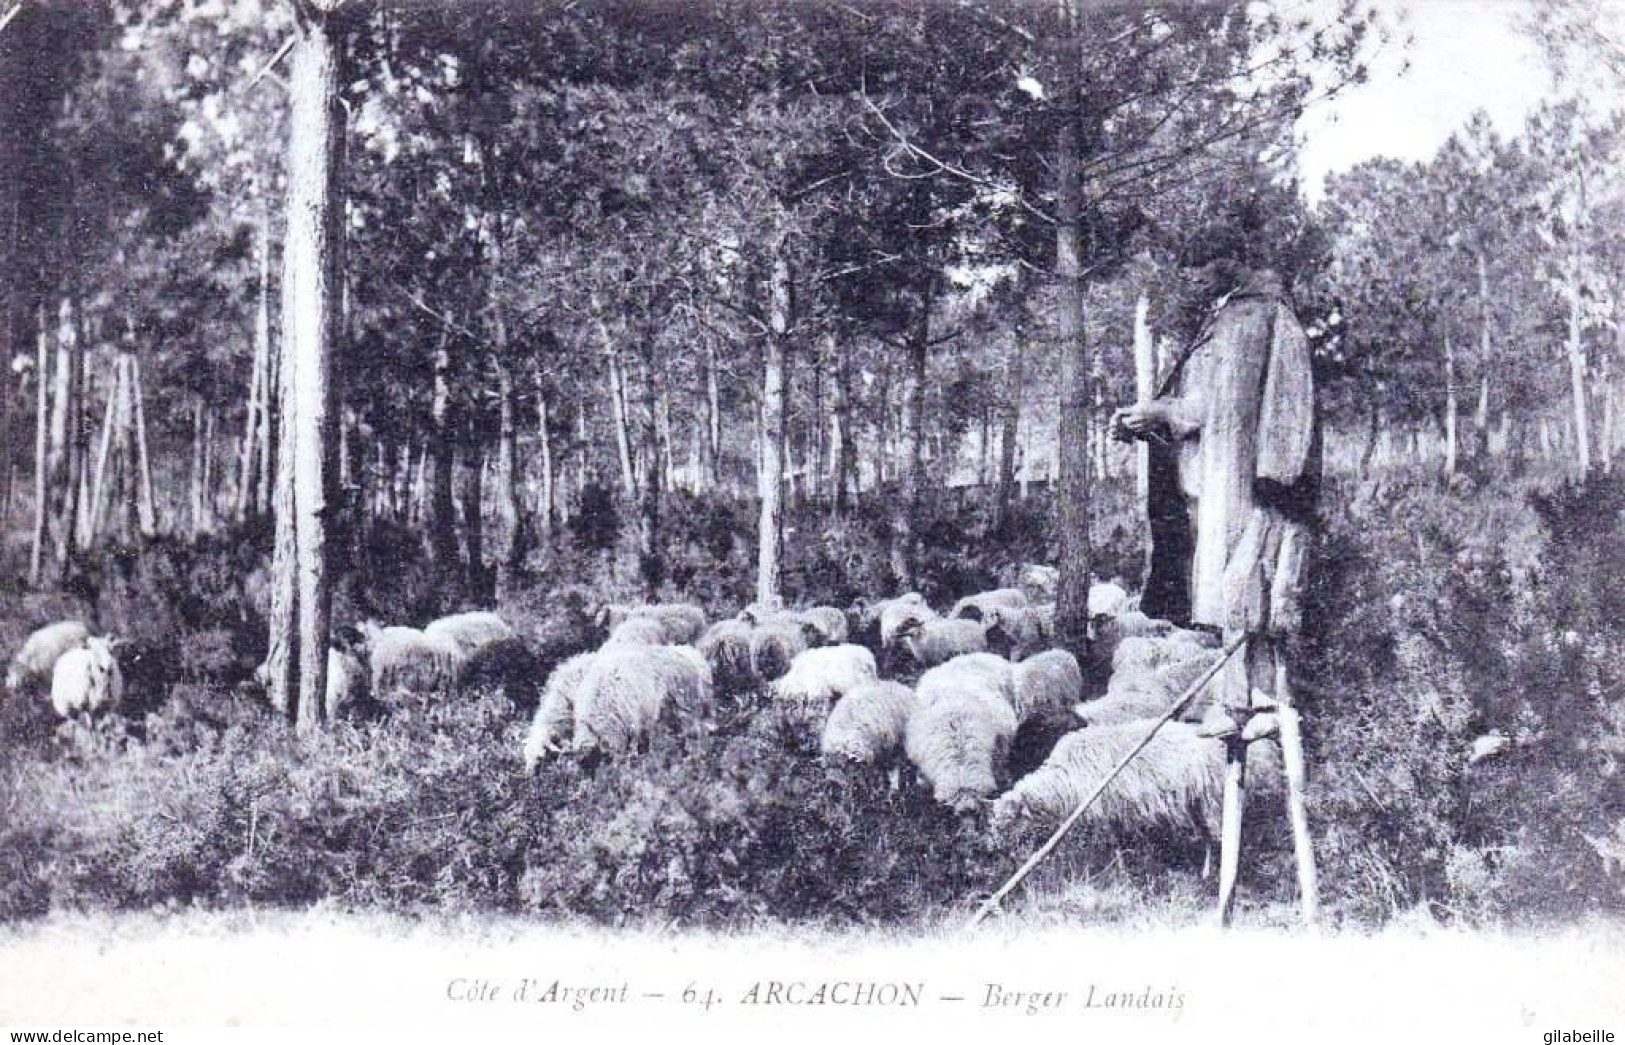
(1147,653)
(32,663)
(1039,582)
(975,607)
(1106,599)
(818,678)
(555,720)
(1136,693)
(1048,682)
(932,642)
(868,724)
(1019,631)
(406,660)
(982,670)
(637,631)
(1175,783)
(726,647)
(627,689)
(895,613)
(826,673)
(470,631)
(830,623)
(86,679)
(775,643)
(348,683)
(960,742)
(681,622)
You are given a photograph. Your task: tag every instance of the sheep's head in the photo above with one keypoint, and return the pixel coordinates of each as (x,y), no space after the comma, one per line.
(1008,812)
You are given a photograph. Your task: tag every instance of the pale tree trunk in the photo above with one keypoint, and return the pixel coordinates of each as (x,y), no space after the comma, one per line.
(1073,489)
(619,412)
(770,451)
(104,452)
(129,478)
(661,406)
(842,435)
(653,452)
(508,548)
(1145,386)
(42,484)
(713,414)
(544,507)
(143,460)
(1481,412)
(312,259)
(905,516)
(473,509)
(259,389)
(583,456)
(1449,406)
(442,513)
(1576,346)
(1010,424)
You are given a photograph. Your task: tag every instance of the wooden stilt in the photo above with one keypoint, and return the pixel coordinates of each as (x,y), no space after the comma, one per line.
(1292,763)
(1235,801)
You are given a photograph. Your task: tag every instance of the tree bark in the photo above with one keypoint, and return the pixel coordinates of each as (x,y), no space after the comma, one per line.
(442,516)
(770,452)
(1072,487)
(713,414)
(42,482)
(473,510)
(311,282)
(544,507)
(843,448)
(1010,426)
(619,411)
(1449,406)
(905,516)
(148,505)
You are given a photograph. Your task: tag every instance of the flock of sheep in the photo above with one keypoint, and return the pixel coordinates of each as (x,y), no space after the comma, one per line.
(995,716)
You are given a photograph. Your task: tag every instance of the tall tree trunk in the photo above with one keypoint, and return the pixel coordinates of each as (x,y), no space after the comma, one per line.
(473,511)
(42,442)
(1449,406)
(654,452)
(143,459)
(544,507)
(442,516)
(1486,365)
(1072,487)
(905,516)
(1576,346)
(619,412)
(104,452)
(509,547)
(311,282)
(842,435)
(770,452)
(1010,426)
(713,413)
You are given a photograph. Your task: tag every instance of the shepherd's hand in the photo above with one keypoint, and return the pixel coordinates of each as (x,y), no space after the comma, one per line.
(1138,421)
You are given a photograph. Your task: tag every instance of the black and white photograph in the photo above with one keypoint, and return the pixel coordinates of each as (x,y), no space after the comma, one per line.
(1079,517)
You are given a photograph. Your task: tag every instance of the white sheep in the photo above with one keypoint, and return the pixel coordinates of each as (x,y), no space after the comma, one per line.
(627,689)
(1039,582)
(975,607)
(1106,599)
(960,743)
(830,623)
(932,642)
(86,679)
(893,614)
(868,724)
(348,683)
(726,647)
(1148,652)
(32,663)
(637,631)
(775,643)
(555,720)
(1020,631)
(471,631)
(1175,783)
(984,670)
(408,660)
(818,678)
(1046,683)
(682,623)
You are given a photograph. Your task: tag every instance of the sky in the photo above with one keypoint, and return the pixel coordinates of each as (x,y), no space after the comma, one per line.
(1466,55)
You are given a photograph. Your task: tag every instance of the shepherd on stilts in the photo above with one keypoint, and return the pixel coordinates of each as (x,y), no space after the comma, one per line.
(1238,413)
